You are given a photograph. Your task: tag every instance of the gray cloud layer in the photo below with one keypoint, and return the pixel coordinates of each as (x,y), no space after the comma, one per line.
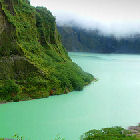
(119,17)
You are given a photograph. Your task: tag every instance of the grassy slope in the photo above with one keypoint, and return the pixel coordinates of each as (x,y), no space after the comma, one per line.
(33,62)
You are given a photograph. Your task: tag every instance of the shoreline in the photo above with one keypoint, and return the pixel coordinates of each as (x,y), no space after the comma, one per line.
(30,99)
(135,130)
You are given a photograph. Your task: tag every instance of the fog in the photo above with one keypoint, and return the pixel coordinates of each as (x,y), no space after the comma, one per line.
(118,17)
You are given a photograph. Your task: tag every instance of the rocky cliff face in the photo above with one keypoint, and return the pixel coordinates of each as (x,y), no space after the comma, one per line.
(79,39)
(33,61)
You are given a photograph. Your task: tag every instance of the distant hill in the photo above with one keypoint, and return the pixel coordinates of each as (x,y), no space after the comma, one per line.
(78,39)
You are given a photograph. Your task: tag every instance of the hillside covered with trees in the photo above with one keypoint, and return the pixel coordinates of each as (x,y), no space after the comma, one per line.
(33,61)
(77,39)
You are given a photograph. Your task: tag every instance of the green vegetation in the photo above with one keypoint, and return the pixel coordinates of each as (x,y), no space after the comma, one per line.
(33,61)
(18,137)
(15,137)
(59,138)
(114,133)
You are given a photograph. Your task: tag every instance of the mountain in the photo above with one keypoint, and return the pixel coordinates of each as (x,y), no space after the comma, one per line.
(78,39)
(33,61)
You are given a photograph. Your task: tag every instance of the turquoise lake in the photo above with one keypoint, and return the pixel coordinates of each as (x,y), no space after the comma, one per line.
(112,101)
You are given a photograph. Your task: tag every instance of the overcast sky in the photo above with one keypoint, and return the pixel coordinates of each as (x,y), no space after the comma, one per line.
(118,16)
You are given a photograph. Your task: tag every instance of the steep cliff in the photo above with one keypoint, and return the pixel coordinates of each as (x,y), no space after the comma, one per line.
(79,39)
(33,61)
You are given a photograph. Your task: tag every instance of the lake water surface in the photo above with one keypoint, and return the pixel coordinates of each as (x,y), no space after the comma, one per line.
(112,101)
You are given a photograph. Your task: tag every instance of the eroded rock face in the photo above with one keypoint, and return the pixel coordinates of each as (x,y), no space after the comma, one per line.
(7,36)
(13,63)
(2,20)
(135,130)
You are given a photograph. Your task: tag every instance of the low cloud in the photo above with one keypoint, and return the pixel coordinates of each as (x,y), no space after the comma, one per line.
(119,29)
(117,17)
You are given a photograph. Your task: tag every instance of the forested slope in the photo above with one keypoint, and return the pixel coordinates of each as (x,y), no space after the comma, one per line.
(33,61)
(78,39)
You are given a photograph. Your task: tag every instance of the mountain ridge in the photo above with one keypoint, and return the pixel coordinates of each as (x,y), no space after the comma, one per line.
(78,39)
